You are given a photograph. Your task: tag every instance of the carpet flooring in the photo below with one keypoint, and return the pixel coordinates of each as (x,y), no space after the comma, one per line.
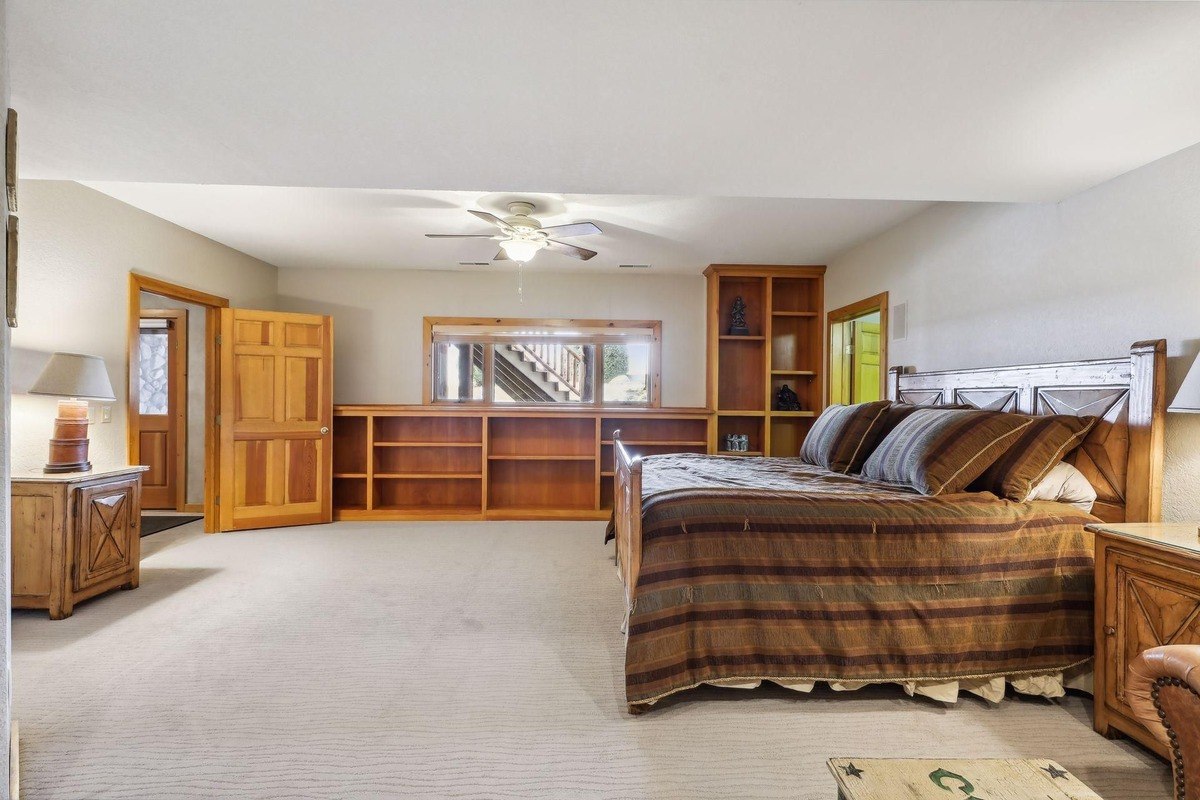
(444,660)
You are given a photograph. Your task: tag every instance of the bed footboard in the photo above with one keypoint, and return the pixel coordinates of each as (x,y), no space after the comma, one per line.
(627,515)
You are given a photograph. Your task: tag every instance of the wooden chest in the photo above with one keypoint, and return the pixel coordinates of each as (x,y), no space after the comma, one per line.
(940,779)
(1147,594)
(74,536)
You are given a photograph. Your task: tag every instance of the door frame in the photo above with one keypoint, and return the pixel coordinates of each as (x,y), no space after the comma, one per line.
(213,304)
(178,388)
(877,302)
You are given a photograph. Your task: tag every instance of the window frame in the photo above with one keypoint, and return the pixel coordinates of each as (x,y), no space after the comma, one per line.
(653,328)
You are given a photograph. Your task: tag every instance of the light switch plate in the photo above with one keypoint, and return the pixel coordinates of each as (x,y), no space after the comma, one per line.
(105,413)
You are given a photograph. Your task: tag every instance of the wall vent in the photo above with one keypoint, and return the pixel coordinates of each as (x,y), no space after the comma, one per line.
(633,266)
(474,263)
(898,322)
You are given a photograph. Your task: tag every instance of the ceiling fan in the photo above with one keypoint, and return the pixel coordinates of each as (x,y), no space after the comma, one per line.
(522,237)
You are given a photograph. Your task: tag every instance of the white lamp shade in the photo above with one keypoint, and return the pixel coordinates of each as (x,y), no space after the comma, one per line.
(1187,399)
(74,375)
(521,249)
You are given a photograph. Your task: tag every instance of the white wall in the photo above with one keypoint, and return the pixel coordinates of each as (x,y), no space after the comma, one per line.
(78,247)
(378,319)
(5,449)
(1008,284)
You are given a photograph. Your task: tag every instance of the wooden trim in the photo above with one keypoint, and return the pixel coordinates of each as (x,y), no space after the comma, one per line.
(867,305)
(145,283)
(212,375)
(654,327)
(1137,381)
(767,270)
(179,371)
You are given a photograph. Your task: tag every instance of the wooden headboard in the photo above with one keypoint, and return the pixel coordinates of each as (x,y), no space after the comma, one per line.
(1122,456)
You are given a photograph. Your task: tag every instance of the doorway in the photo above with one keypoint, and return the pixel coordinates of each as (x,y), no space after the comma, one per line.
(180,445)
(162,407)
(858,336)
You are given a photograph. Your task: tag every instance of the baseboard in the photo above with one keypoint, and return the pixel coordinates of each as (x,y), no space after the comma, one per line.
(14,761)
(193,508)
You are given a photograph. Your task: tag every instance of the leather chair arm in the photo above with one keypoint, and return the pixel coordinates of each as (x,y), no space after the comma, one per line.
(1163,691)
(1181,662)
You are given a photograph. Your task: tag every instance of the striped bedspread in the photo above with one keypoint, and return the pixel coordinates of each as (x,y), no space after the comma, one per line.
(767,568)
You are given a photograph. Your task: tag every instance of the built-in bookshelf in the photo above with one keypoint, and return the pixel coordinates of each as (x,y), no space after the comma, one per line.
(418,462)
(782,345)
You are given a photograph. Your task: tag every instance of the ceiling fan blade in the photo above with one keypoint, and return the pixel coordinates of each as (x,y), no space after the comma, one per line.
(501,256)
(458,236)
(573,229)
(582,253)
(491,218)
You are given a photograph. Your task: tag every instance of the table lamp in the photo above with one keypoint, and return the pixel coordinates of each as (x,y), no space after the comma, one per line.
(76,379)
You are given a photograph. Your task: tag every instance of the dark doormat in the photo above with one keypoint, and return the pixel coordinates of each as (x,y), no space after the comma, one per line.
(153,523)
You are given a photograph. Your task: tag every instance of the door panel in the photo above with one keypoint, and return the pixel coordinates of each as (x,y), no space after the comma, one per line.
(108,536)
(866,362)
(1149,608)
(276,411)
(162,407)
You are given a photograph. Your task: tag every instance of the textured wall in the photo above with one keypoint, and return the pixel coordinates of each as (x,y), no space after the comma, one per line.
(377,319)
(994,284)
(78,247)
(5,465)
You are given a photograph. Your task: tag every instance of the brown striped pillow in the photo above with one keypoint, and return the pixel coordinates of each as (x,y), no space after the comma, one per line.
(940,451)
(840,439)
(1041,446)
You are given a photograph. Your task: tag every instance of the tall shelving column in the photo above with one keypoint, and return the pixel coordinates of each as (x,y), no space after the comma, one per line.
(784,309)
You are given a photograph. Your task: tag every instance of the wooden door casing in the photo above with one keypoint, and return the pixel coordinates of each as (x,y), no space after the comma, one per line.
(275,416)
(108,541)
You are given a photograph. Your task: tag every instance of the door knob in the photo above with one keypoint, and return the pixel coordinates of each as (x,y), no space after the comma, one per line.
(1110,631)
(324,430)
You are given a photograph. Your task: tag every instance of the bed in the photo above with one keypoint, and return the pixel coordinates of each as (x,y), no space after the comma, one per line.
(743,570)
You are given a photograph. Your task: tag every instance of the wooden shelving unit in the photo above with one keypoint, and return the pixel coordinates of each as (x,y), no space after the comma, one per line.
(420,462)
(784,307)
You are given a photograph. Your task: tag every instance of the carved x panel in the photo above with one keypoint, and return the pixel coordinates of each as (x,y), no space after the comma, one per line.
(1156,614)
(988,399)
(1103,455)
(921,397)
(107,537)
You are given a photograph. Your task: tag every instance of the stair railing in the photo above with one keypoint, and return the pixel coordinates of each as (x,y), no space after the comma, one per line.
(563,362)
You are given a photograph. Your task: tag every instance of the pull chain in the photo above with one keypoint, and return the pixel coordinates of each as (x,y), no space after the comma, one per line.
(520,283)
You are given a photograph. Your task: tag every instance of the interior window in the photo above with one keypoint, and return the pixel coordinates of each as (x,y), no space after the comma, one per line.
(543,362)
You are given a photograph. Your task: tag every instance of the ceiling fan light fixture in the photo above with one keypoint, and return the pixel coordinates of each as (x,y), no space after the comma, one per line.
(522,250)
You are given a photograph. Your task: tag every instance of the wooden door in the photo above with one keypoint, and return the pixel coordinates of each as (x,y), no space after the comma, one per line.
(866,362)
(161,407)
(107,532)
(276,409)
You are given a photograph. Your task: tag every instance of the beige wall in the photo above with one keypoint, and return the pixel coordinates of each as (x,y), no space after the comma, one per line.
(78,247)
(377,319)
(997,284)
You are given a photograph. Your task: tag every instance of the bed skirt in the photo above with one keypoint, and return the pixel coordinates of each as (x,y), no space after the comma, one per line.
(1049,685)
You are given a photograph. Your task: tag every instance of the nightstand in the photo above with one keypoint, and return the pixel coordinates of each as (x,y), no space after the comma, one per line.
(74,536)
(1147,594)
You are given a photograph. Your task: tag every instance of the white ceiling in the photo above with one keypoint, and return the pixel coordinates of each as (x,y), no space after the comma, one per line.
(370,228)
(916,100)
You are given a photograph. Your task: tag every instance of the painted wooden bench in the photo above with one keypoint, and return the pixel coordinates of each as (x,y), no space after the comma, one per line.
(966,779)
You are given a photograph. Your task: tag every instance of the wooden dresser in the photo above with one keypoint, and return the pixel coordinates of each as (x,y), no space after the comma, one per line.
(1147,594)
(74,536)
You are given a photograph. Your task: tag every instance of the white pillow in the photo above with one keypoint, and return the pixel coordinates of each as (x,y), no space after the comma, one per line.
(1065,484)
